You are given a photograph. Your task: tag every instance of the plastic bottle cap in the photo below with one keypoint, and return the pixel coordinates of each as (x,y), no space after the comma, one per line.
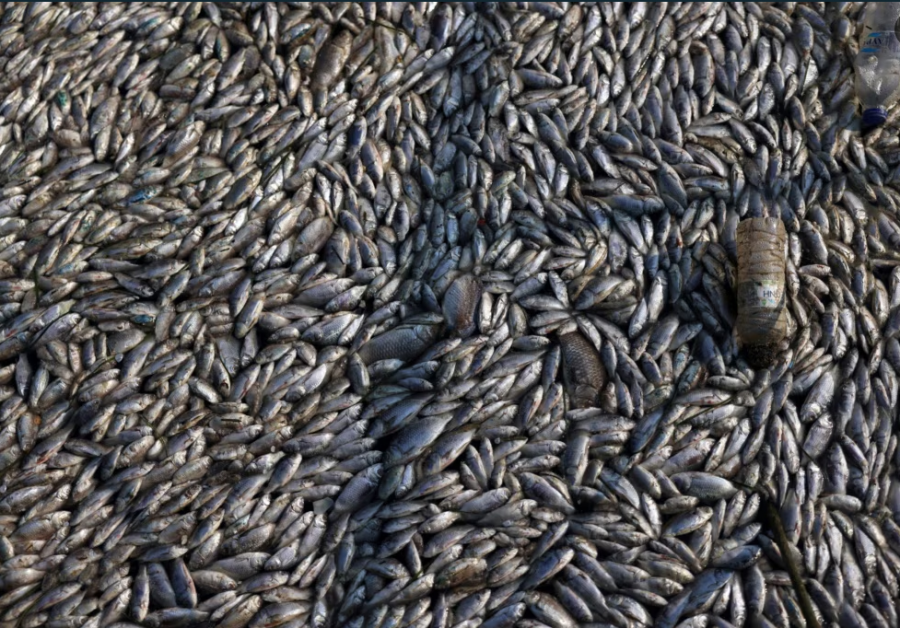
(876,116)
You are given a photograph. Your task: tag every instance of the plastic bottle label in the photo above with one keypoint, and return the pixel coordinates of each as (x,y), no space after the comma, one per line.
(765,295)
(877,41)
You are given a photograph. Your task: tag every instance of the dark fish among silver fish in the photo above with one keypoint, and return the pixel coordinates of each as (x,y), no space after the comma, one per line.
(585,374)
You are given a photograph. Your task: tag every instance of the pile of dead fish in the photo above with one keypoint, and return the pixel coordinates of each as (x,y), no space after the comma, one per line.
(420,314)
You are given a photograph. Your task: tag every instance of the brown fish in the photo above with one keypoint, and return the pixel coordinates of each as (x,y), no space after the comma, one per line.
(460,304)
(584,373)
(329,64)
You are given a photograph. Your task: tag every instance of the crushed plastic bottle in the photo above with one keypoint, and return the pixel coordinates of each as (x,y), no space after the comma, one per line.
(878,62)
(762,322)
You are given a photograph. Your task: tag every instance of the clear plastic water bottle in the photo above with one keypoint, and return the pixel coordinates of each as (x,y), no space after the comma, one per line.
(878,62)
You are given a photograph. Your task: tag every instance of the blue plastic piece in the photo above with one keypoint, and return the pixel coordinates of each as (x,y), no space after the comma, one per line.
(876,116)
